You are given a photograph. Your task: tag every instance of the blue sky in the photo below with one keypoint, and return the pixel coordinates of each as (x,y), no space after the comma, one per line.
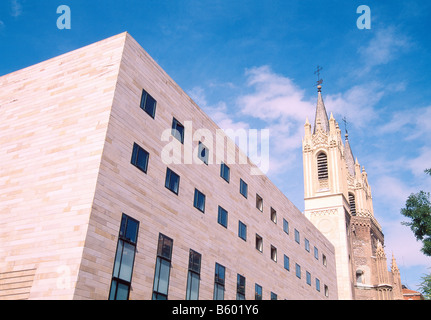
(250,64)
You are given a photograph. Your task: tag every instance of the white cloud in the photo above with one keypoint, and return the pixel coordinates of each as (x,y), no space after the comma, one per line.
(16,8)
(274,96)
(412,122)
(400,241)
(384,47)
(356,104)
(217,112)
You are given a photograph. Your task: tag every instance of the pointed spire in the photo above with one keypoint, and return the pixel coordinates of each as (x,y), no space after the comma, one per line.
(348,155)
(394,266)
(321,114)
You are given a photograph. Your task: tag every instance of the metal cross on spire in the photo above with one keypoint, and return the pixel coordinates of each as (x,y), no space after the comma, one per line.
(319,80)
(345,124)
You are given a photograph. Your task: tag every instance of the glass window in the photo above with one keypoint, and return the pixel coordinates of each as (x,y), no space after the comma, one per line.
(259,243)
(119,290)
(273,296)
(199,201)
(140,158)
(124,259)
(222,217)
(148,104)
(273,253)
(203,153)
(298,270)
(178,130)
(163,268)
(172,181)
(259,202)
(297,236)
(240,287)
(243,188)
(317,284)
(193,278)
(129,229)
(219,280)
(286,263)
(225,172)
(316,253)
(285,226)
(242,231)
(273,215)
(258,292)
(307,244)
(308,277)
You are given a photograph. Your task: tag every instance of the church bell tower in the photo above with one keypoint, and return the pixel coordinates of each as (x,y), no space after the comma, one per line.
(326,190)
(338,201)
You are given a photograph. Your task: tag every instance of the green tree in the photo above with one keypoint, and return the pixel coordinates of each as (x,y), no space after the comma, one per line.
(425,287)
(418,209)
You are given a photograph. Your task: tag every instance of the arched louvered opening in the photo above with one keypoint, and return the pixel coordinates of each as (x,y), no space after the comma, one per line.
(322,166)
(352,204)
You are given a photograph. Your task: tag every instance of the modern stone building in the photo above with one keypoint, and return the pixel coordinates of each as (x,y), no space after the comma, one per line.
(338,200)
(111,188)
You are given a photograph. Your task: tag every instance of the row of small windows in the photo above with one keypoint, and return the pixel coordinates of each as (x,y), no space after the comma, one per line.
(124,261)
(172,182)
(140,160)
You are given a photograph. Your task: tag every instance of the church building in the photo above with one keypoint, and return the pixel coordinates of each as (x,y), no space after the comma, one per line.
(339,202)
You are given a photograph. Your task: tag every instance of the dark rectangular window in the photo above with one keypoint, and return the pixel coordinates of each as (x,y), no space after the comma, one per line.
(273,253)
(307,244)
(199,201)
(308,277)
(317,284)
(225,172)
(240,287)
(243,188)
(273,215)
(163,268)
(242,231)
(286,263)
(273,296)
(140,158)
(203,153)
(219,280)
(316,253)
(297,236)
(257,292)
(222,217)
(193,278)
(259,243)
(124,259)
(148,104)
(285,226)
(259,202)
(172,181)
(178,130)
(298,270)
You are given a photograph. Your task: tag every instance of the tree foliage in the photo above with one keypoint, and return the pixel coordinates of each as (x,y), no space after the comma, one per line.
(418,209)
(425,286)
